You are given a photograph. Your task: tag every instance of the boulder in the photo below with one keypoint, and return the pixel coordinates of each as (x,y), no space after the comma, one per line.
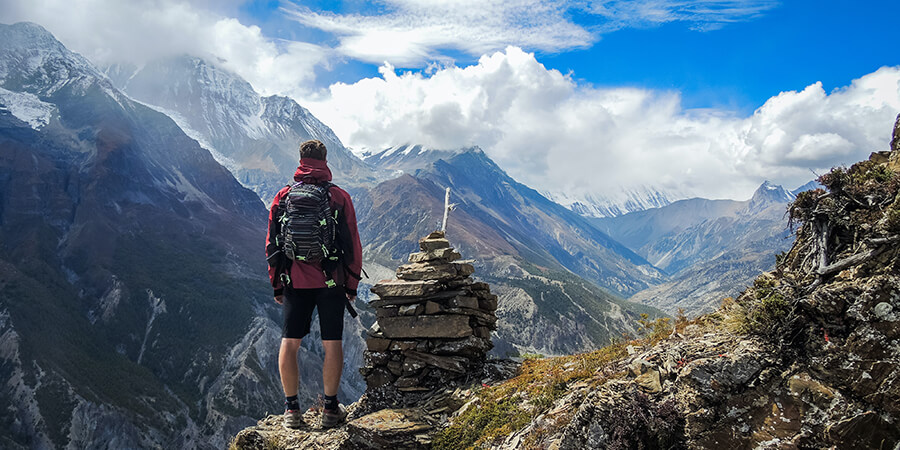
(464,269)
(411,310)
(488,303)
(483,332)
(390,428)
(389,301)
(449,363)
(422,271)
(394,288)
(387,311)
(464,302)
(432,307)
(442,254)
(397,346)
(470,346)
(378,377)
(429,244)
(448,326)
(374,344)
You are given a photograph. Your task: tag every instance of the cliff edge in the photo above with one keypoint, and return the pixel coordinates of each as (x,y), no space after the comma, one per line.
(806,357)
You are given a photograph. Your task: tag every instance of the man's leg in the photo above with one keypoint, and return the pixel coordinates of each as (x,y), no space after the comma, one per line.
(334,364)
(287,366)
(331,319)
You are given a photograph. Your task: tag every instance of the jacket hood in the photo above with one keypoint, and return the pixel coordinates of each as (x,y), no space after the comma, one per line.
(312,171)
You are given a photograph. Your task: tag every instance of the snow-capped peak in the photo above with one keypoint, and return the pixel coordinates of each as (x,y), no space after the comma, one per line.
(769,193)
(40,63)
(410,157)
(614,203)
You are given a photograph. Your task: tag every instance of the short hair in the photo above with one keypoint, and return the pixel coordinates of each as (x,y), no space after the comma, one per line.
(313,149)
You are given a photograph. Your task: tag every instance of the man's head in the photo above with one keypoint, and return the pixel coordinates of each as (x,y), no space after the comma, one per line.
(313,149)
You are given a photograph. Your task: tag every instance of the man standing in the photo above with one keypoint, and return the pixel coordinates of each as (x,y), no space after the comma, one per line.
(315,258)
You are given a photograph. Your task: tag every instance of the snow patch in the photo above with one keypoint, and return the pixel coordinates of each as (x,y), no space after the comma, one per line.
(616,203)
(157,307)
(27,107)
(195,135)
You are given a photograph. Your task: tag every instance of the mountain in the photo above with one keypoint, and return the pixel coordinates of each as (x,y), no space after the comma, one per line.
(256,137)
(536,254)
(221,110)
(408,158)
(807,187)
(711,248)
(134,307)
(768,194)
(805,357)
(613,204)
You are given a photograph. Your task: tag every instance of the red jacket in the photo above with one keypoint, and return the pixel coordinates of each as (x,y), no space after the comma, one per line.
(303,275)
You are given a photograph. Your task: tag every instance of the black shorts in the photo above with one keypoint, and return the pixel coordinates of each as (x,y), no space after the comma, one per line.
(298,311)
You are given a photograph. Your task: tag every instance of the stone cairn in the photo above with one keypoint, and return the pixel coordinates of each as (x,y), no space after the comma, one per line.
(433,322)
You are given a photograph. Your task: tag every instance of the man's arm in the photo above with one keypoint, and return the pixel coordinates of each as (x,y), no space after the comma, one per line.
(272,247)
(353,251)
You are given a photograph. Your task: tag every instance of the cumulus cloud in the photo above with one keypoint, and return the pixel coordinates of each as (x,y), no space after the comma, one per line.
(112,31)
(545,128)
(556,135)
(413,33)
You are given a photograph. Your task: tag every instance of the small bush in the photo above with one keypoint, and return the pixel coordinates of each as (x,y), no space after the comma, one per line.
(892,220)
(801,209)
(836,180)
(642,424)
(654,331)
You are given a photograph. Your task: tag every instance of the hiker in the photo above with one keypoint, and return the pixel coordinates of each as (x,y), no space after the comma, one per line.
(315,258)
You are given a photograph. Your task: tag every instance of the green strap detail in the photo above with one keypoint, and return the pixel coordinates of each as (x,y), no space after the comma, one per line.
(285,279)
(301,258)
(323,222)
(328,281)
(333,258)
(335,214)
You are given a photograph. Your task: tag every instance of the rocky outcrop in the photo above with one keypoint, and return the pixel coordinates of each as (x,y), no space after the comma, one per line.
(807,357)
(895,141)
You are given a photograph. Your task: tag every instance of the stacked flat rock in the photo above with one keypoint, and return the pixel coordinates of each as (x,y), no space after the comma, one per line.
(433,322)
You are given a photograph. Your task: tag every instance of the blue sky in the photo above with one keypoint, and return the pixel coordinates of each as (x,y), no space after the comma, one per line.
(588,98)
(737,66)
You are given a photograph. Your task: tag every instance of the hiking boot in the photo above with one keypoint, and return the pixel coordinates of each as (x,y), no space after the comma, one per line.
(293,418)
(331,418)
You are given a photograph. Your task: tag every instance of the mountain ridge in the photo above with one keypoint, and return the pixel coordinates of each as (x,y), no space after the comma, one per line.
(122,240)
(256,136)
(711,248)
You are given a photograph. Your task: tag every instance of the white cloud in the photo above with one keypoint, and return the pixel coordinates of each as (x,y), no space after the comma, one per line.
(554,134)
(112,31)
(413,33)
(702,15)
(544,128)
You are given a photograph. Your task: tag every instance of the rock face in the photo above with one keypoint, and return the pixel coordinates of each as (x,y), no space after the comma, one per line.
(807,357)
(433,323)
(255,136)
(141,252)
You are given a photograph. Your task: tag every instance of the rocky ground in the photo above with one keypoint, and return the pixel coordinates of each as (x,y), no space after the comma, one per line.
(807,357)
